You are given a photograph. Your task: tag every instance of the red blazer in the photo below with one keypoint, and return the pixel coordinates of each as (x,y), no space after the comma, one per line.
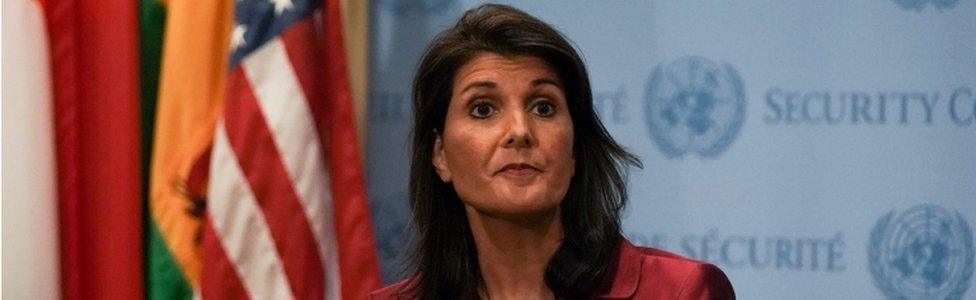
(643,273)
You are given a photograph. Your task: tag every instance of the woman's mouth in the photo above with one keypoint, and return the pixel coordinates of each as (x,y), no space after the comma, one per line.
(519,170)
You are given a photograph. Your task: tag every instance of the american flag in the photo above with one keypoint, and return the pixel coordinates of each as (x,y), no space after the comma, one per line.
(287,216)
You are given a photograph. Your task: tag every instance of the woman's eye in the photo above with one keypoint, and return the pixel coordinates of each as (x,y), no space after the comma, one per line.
(544,109)
(482,110)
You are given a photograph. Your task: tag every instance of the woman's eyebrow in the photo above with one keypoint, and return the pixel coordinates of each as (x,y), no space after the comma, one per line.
(479,84)
(542,81)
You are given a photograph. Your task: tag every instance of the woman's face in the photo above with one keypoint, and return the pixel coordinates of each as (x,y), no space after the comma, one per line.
(508,136)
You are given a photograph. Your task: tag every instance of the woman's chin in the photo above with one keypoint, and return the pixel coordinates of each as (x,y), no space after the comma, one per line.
(520,207)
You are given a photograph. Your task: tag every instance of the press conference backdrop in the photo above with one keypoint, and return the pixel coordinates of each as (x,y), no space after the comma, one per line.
(811,149)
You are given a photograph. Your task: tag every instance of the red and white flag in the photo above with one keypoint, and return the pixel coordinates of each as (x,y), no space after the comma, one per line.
(287,215)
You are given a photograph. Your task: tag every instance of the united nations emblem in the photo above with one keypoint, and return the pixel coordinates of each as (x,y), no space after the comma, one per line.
(918,5)
(925,252)
(694,105)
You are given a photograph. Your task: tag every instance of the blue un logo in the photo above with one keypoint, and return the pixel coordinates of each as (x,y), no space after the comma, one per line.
(925,252)
(918,5)
(694,105)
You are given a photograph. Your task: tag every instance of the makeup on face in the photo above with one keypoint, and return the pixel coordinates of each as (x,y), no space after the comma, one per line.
(508,136)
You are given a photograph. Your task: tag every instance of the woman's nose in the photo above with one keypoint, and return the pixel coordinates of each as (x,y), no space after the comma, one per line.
(519,133)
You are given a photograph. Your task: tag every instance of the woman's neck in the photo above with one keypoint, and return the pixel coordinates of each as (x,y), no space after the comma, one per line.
(513,252)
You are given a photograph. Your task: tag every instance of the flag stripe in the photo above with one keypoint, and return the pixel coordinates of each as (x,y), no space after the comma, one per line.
(304,59)
(95,69)
(305,56)
(301,51)
(243,232)
(30,211)
(164,279)
(358,263)
(222,280)
(253,144)
(191,93)
(151,18)
(289,119)
(61,22)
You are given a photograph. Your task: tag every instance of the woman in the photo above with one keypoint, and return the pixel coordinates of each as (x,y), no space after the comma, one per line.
(516,187)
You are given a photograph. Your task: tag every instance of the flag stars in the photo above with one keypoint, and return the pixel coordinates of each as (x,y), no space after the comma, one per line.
(281,5)
(237,37)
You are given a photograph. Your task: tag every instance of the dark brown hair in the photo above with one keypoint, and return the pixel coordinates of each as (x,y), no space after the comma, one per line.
(444,261)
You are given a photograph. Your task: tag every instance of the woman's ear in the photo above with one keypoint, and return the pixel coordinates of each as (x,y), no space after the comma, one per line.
(440,160)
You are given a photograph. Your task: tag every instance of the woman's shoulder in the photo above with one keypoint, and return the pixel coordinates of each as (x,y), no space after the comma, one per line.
(668,264)
(640,273)
(649,273)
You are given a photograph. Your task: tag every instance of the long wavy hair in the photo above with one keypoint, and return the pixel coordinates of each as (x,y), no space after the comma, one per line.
(444,260)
